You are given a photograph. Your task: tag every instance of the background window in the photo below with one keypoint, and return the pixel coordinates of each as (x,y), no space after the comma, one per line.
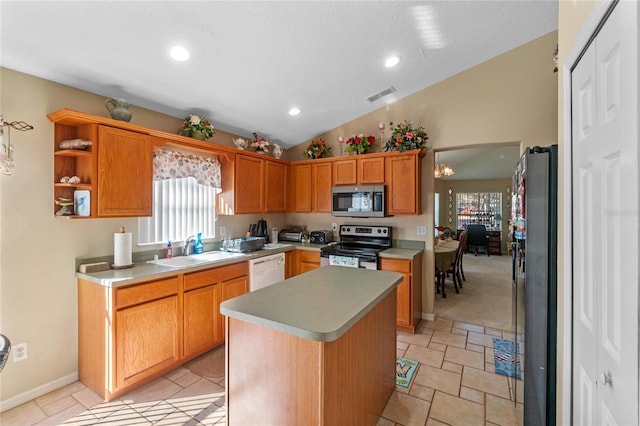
(181,207)
(479,207)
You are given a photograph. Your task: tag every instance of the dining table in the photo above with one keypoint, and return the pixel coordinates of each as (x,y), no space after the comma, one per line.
(445,256)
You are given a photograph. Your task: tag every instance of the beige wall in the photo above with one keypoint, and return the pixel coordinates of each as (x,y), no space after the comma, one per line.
(571,17)
(509,98)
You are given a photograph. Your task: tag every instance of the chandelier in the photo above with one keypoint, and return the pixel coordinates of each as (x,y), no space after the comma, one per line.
(442,169)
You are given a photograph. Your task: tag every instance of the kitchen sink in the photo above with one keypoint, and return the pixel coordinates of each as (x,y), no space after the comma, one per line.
(195,259)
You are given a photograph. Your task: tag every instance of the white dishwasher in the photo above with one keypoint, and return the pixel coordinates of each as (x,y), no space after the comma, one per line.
(266,270)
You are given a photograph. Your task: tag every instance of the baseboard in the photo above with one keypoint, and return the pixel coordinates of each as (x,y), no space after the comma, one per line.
(34,393)
(429,317)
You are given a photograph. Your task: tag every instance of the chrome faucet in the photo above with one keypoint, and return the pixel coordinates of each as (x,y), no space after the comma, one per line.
(187,243)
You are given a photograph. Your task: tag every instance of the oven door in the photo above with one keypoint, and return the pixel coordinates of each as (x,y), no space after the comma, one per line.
(360,261)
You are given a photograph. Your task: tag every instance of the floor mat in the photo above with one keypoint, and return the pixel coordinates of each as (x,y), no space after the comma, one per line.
(505,360)
(405,369)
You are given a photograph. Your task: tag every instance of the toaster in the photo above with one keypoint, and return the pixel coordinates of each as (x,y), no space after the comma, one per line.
(293,234)
(320,237)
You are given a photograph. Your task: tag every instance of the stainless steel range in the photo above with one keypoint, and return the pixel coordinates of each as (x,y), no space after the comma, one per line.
(359,246)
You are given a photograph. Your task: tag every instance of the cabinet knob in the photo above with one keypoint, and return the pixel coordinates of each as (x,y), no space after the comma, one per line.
(606,378)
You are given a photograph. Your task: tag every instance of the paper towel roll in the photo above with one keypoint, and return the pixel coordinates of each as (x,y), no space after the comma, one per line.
(122,249)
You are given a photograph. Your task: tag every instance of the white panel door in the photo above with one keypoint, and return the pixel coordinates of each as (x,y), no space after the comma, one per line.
(605,228)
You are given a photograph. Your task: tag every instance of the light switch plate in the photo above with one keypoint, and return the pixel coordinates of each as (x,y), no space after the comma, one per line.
(422,230)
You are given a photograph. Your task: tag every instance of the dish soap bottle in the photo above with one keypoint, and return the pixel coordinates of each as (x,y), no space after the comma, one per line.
(169,251)
(198,248)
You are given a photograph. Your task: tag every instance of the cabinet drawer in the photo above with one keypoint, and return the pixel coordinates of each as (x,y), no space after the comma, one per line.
(210,276)
(140,293)
(395,265)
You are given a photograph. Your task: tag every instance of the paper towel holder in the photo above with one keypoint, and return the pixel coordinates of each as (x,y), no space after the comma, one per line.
(125,266)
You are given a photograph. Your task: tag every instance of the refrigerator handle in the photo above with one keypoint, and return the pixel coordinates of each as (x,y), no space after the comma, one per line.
(514,251)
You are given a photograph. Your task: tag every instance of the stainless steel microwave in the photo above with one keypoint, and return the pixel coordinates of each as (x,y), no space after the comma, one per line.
(358,201)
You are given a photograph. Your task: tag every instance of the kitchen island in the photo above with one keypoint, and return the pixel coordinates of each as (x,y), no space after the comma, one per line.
(318,349)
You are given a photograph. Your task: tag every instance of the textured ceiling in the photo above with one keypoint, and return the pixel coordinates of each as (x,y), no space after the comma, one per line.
(251,61)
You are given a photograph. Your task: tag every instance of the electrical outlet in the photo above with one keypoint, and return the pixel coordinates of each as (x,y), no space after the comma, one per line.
(334,226)
(422,230)
(19,352)
(223,231)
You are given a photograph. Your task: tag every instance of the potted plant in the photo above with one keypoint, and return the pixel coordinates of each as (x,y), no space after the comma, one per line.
(359,144)
(196,127)
(260,144)
(317,149)
(405,137)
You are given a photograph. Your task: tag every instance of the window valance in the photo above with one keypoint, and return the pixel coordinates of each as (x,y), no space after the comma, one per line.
(173,165)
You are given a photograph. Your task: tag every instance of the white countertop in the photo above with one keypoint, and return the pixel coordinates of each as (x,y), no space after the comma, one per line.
(319,305)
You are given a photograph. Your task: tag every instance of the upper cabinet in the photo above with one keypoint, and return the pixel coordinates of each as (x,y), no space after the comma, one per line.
(311,180)
(125,173)
(116,169)
(253,184)
(359,169)
(310,189)
(403,180)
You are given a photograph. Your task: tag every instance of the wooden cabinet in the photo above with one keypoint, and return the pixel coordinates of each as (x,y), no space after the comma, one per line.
(403,180)
(311,187)
(321,187)
(202,325)
(133,334)
(345,172)
(361,169)
(495,242)
(399,172)
(371,170)
(117,168)
(249,184)
(203,293)
(260,185)
(290,264)
(125,173)
(409,301)
(127,335)
(275,182)
(308,261)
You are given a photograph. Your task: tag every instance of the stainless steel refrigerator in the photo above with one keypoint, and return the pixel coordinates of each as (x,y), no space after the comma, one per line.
(534,262)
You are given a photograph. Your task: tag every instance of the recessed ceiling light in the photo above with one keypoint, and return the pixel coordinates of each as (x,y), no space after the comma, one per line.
(179,53)
(294,111)
(392,61)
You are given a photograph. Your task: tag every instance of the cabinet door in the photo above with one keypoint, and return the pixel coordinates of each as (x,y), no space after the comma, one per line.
(345,172)
(321,187)
(371,170)
(202,322)
(249,184)
(275,187)
(402,184)
(147,340)
(230,289)
(301,188)
(308,261)
(404,298)
(125,173)
(290,264)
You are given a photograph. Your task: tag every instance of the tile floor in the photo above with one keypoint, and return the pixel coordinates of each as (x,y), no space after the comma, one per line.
(455,384)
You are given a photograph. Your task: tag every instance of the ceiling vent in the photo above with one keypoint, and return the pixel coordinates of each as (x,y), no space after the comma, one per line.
(378,95)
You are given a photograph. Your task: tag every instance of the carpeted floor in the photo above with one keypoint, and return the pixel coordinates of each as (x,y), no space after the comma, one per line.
(485,298)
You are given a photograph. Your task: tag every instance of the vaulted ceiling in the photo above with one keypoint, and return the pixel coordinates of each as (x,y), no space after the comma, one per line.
(252,61)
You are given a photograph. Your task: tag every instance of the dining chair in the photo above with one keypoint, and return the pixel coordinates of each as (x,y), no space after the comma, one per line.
(463,247)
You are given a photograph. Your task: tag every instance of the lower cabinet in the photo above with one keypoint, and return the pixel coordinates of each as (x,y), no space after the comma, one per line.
(308,261)
(290,264)
(409,301)
(133,334)
(147,340)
